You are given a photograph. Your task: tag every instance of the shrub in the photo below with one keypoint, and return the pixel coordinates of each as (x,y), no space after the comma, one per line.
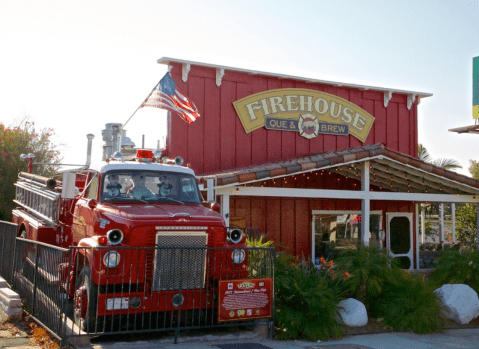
(306,305)
(457,267)
(259,258)
(371,270)
(411,304)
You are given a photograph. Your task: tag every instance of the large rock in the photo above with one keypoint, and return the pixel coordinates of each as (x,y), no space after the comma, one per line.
(354,313)
(460,302)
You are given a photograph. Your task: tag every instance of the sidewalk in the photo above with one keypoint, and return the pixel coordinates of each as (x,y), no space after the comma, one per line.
(15,337)
(460,338)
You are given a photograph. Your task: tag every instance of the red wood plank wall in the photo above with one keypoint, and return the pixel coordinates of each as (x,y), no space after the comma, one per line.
(287,221)
(217,140)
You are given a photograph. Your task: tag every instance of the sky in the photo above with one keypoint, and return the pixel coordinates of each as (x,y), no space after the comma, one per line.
(77,65)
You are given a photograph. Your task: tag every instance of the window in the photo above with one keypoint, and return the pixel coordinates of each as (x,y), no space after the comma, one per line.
(339,230)
(92,190)
(150,186)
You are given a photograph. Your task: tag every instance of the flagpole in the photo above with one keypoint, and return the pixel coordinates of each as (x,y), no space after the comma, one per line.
(140,106)
(121,129)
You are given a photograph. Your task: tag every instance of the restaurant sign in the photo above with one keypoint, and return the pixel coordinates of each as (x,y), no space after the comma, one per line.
(305,111)
(245,299)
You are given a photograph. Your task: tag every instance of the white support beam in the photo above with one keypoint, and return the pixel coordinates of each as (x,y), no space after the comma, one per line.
(343,194)
(220,72)
(185,69)
(387,97)
(411,97)
(477,224)
(416,228)
(365,204)
(453,210)
(225,209)
(423,225)
(210,189)
(441,222)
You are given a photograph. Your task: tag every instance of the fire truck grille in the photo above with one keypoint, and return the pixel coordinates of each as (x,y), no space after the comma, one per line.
(180,260)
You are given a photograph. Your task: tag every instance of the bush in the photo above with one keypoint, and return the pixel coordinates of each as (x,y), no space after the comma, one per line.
(306,304)
(457,267)
(411,305)
(260,257)
(371,270)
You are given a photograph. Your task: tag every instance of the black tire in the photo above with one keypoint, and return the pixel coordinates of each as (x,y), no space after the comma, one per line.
(85,291)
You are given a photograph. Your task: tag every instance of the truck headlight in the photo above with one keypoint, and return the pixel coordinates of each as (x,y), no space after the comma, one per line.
(111,259)
(238,256)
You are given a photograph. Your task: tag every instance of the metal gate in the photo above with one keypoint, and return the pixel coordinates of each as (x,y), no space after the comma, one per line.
(162,288)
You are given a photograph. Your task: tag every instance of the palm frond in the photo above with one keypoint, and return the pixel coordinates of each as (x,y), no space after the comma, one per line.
(423,154)
(448,164)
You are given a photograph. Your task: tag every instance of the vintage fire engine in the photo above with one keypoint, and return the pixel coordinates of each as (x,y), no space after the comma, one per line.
(125,218)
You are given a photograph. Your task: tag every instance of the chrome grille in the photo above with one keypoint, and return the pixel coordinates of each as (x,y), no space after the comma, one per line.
(180,260)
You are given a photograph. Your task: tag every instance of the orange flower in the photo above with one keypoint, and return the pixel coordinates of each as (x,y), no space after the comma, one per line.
(330,264)
(322,260)
(346,274)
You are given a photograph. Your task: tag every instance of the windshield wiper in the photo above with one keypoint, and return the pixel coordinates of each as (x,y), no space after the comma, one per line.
(174,200)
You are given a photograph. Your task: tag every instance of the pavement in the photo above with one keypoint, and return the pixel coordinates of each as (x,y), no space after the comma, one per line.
(457,338)
(257,339)
(16,337)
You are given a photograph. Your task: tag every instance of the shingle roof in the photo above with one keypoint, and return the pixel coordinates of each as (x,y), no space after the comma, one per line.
(387,167)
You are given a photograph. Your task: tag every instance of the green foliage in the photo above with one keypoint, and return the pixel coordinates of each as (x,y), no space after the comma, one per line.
(371,269)
(448,164)
(474,169)
(457,267)
(466,224)
(258,242)
(411,305)
(306,304)
(23,138)
(260,258)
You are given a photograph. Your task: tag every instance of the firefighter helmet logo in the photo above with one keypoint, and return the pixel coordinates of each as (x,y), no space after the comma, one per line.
(308,125)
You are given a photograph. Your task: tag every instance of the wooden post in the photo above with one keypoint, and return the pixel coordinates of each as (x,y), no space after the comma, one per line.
(365,204)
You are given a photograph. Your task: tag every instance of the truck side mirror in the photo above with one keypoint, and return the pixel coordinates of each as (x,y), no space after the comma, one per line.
(68,185)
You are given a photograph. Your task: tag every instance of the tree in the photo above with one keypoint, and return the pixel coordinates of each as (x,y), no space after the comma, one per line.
(23,138)
(474,169)
(448,164)
(466,224)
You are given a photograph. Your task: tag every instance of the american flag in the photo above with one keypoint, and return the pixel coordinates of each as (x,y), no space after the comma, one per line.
(167,96)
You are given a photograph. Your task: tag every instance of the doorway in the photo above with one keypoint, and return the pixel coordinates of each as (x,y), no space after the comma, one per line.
(399,238)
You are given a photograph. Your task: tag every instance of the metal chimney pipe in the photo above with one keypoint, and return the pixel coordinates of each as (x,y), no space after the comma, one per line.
(115,131)
(88,149)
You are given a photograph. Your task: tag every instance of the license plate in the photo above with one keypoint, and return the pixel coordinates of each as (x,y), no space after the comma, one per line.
(117,303)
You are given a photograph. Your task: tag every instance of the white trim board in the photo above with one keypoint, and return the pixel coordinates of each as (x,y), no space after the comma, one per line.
(343,194)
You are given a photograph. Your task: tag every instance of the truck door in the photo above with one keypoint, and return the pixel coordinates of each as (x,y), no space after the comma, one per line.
(84,218)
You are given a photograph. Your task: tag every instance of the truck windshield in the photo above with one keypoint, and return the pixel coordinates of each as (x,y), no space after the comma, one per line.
(150,186)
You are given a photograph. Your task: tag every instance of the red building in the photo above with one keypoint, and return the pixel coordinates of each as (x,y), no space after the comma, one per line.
(311,163)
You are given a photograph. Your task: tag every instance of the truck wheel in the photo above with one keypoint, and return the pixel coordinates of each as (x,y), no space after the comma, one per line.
(85,301)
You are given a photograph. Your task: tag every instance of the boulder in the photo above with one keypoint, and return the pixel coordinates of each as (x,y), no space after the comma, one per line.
(460,302)
(354,313)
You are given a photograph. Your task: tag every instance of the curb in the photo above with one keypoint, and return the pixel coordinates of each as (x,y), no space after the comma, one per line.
(10,302)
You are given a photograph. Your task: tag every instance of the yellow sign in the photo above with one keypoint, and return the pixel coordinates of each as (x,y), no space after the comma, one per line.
(292,103)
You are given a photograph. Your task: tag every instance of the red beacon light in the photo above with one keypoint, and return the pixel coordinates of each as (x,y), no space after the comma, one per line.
(144,155)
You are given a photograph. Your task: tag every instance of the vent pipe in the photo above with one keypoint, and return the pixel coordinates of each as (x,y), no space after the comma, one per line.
(88,149)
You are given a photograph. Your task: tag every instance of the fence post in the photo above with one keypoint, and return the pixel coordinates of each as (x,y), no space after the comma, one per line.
(63,314)
(274,301)
(35,281)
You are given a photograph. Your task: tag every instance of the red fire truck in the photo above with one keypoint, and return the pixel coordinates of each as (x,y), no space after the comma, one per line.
(125,219)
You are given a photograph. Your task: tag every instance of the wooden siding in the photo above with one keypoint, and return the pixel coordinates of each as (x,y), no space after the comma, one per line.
(217,140)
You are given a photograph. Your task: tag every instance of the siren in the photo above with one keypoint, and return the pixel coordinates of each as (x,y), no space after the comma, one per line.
(178,161)
(235,235)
